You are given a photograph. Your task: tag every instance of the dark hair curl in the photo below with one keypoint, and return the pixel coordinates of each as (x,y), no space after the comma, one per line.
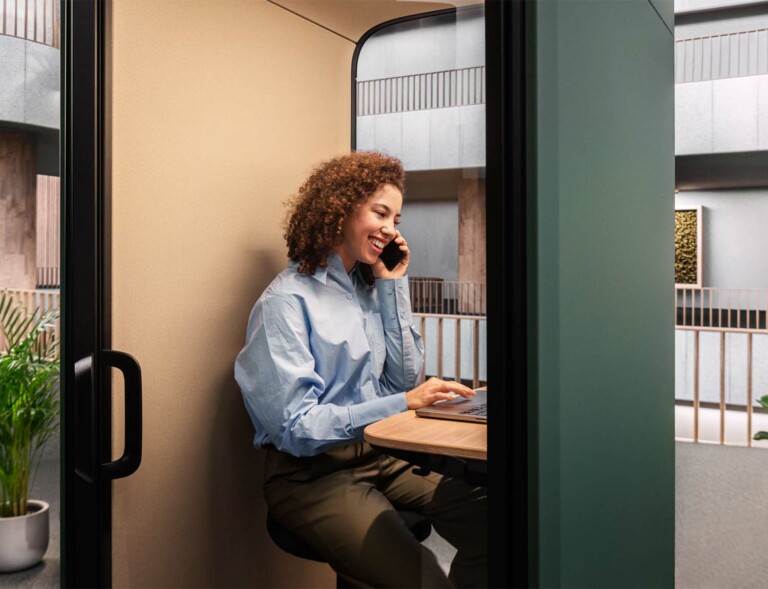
(331,193)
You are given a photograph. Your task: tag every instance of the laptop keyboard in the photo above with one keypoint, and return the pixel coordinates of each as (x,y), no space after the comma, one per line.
(476,410)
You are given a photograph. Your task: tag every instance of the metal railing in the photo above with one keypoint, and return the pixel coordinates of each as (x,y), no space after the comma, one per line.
(445,297)
(466,337)
(715,57)
(31,299)
(442,89)
(34,20)
(736,308)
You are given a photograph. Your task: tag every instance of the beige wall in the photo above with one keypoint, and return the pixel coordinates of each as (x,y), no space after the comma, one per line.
(219,110)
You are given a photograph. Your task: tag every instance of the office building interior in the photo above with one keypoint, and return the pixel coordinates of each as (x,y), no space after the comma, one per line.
(639,434)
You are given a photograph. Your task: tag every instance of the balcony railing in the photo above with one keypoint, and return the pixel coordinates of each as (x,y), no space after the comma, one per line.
(715,57)
(33,20)
(722,349)
(450,316)
(730,361)
(445,297)
(443,89)
(31,299)
(454,347)
(737,308)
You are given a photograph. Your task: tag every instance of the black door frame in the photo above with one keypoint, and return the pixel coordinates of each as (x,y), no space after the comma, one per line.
(512,456)
(86,493)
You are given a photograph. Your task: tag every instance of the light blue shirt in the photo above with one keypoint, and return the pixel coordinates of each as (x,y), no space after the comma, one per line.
(326,355)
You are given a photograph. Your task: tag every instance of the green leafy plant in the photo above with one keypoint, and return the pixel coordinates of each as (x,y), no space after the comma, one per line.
(762,435)
(29,397)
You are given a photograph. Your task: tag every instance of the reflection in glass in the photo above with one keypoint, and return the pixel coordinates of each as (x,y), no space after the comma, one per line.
(421,98)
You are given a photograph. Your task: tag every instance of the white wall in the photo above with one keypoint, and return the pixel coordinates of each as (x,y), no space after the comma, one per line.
(436,139)
(721,115)
(738,20)
(431,231)
(29,83)
(684,6)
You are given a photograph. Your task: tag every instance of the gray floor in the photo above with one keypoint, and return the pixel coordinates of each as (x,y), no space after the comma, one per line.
(46,573)
(721,519)
(46,488)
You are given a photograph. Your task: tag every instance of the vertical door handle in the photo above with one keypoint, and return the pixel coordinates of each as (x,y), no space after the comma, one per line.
(86,452)
(131,458)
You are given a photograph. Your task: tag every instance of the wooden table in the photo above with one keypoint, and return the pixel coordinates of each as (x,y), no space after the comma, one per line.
(405,431)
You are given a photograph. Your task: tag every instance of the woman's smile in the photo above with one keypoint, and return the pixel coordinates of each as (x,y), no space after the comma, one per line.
(377,244)
(371,227)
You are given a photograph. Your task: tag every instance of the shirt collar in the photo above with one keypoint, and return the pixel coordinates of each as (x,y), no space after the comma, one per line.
(334,265)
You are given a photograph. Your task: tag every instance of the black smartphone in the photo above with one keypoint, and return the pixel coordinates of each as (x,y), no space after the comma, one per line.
(392,255)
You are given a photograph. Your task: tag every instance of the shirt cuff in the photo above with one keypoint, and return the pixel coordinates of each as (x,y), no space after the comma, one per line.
(361,414)
(394,302)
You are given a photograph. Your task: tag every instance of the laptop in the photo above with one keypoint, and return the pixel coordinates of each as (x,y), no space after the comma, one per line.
(459,409)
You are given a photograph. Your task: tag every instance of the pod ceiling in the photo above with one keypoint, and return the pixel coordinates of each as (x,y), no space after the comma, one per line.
(353,18)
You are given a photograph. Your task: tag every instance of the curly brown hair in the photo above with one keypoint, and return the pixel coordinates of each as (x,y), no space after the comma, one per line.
(331,193)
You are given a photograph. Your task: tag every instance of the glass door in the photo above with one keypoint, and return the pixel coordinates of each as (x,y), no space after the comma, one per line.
(190,124)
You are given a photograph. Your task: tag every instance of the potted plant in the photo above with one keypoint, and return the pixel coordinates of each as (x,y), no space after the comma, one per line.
(762,435)
(29,408)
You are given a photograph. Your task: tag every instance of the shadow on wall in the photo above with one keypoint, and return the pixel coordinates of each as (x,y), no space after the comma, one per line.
(245,554)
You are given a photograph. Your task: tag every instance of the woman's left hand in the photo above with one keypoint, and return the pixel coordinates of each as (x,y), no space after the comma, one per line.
(380,270)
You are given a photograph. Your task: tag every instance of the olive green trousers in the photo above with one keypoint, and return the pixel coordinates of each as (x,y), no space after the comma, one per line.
(343,503)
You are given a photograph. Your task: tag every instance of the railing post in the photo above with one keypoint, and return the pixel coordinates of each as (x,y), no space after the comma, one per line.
(439,347)
(722,387)
(458,350)
(476,353)
(696,385)
(424,345)
(749,390)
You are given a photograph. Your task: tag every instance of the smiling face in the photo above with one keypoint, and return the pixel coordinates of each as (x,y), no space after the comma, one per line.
(370,227)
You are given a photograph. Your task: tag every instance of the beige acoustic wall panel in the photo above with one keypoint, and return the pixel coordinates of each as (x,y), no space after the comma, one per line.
(219,110)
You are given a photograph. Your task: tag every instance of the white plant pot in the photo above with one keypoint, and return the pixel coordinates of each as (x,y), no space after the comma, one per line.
(24,539)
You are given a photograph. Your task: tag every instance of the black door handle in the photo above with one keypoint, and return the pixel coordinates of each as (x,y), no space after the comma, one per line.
(85,420)
(131,458)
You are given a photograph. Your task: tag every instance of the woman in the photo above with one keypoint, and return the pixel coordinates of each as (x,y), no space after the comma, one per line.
(331,348)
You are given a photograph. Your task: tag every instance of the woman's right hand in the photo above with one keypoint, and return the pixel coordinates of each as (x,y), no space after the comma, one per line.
(434,390)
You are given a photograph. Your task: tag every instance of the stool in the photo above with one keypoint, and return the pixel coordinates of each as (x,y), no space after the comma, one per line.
(418,524)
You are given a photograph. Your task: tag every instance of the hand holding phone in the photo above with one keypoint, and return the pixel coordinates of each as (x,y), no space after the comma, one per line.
(392,255)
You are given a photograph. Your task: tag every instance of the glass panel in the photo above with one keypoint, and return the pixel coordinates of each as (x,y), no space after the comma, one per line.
(29,278)
(421,97)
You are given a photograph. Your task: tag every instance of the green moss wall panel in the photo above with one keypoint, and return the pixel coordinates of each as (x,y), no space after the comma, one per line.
(603,185)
